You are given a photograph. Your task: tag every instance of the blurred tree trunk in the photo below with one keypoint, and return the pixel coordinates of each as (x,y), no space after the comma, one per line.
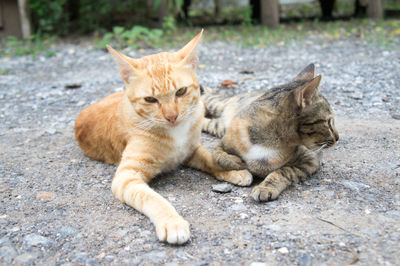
(15,18)
(185,9)
(217,8)
(255,10)
(359,9)
(162,11)
(327,8)
(270,13)
(374,9)
(25,18)
(158,14)
(73,9)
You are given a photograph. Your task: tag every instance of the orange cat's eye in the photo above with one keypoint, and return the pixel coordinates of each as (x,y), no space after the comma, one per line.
(150,99)
(181,91)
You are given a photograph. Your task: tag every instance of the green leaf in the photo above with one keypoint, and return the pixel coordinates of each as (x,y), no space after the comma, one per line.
(156,3)
(118,30)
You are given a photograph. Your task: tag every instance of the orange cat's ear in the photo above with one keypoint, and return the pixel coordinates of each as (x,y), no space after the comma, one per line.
(305,93)
(126,65)
(306,74)
(188,54)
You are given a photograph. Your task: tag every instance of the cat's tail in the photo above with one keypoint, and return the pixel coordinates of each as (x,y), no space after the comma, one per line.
(214,102)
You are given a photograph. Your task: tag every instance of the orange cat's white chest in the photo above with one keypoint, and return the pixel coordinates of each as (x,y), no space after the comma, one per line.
(185,138)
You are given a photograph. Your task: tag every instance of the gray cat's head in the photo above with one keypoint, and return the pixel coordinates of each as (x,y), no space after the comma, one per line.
(300,104)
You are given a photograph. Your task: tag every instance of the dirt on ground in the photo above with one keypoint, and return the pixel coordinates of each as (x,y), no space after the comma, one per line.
(57,206)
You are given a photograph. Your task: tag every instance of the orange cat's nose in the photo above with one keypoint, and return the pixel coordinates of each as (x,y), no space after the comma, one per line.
(171,118)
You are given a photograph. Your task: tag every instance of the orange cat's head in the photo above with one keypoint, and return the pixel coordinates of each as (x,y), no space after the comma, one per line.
(163,87)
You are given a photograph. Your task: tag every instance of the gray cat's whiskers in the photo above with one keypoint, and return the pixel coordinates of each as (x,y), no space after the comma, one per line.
(321,148)
(278,132)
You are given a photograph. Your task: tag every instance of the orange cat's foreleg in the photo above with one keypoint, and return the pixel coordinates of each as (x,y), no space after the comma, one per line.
(130,186)
(203,160)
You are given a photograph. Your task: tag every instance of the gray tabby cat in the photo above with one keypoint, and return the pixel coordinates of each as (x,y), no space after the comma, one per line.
(276,133)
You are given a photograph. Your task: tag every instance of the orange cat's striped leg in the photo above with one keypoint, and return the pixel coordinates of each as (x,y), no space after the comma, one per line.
(130,186)
(203,160)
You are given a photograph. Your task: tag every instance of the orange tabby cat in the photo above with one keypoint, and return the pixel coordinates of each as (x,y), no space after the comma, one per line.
(152,127)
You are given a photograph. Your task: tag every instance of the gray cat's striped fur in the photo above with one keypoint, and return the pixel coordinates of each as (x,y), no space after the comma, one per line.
(276,133)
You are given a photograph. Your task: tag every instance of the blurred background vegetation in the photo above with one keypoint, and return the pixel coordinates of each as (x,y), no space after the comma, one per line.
(157,23)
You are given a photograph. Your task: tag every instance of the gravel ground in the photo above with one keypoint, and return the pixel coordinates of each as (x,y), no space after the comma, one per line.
(57,207)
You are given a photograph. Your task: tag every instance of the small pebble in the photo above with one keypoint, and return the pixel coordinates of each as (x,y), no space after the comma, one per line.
(25,258)
(357,95)
(51,131)
(101,256)
(36,240)
(222,188)
(396,116)
(72,86)
(283,250)
(7,254)
(258,264)
(44,195)
(305,260)
(244,216)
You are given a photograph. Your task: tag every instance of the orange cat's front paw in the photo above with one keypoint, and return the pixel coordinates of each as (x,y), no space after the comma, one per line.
(173,230)
(264,193)
(240,178)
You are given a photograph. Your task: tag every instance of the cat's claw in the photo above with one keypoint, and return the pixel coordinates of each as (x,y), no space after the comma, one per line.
(264,193)
(174,230)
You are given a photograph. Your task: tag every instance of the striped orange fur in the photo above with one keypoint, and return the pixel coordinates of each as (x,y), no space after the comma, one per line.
(152,127)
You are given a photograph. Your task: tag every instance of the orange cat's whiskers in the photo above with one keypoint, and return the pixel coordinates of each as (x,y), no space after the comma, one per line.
(149,129)
(146,125)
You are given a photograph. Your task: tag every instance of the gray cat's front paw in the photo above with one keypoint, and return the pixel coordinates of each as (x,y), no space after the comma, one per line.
(264,193)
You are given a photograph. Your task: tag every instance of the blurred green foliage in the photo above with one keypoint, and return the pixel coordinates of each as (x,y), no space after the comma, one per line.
(91,14)
(49,16)
(171,4)
(137,36)
(4,71)
(382,33)
(61,17)
(391,4)
(33,45)
(137,26)
(169,24)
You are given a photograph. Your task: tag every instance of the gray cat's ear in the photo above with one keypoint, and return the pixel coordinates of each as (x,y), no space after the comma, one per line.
(304,94)
(306,74)
(126,65)
(187,56)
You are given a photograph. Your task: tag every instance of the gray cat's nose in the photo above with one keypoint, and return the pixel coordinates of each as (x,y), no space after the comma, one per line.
(336,136)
